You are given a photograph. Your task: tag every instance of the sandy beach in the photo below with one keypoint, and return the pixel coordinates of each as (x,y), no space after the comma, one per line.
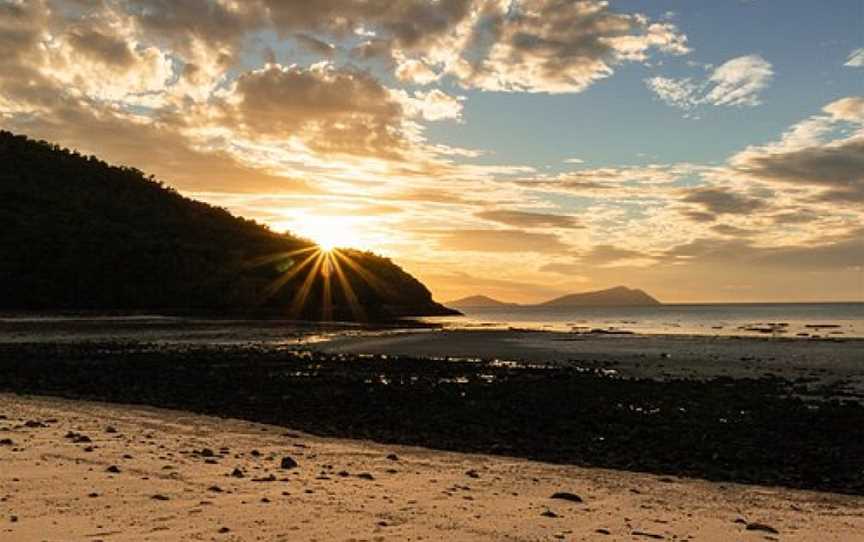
(78,470)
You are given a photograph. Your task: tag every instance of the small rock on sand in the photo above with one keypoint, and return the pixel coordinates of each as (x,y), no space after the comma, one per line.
(762,528)
(647,535)
(565,496)
(288,463)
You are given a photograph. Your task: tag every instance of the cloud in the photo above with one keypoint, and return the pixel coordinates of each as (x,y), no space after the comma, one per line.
(431,105)
(523,219)
(601,256)
(838,168)
(557,47)
(718,201)
(803,157)
(473,240)
(855,59)
(109,49)
(738,82)
(846,252)
(411,70)
(339,111)
(850,109)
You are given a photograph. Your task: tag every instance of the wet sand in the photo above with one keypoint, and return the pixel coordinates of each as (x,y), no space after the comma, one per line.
(53,488)
(831,361)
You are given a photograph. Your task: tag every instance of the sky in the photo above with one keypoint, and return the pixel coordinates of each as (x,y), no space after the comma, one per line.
(702,150)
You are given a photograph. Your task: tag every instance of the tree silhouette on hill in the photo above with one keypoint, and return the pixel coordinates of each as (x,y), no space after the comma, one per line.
(77,233)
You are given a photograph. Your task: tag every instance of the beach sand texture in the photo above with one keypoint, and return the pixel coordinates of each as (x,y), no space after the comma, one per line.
(92,471)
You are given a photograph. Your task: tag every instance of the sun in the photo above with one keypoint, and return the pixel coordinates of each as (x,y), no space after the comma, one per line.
(326,244)
(331,232)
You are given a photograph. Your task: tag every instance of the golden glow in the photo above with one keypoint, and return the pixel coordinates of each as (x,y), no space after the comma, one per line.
(330,232)
(319,269)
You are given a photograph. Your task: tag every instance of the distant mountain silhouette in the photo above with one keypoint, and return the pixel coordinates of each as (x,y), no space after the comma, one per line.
(77,233)
(619,296)
(478,301)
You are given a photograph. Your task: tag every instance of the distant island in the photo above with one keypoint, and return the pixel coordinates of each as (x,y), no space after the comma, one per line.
(620,296)
(80,234)
(479,301)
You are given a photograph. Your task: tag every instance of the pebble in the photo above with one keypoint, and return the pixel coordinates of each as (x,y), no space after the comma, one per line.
(762,528)
(565,496)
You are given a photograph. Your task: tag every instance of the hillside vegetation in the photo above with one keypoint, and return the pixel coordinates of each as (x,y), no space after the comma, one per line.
(79,234)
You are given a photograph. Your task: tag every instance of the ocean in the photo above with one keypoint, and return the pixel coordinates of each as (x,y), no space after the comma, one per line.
(799,320)
(744,319)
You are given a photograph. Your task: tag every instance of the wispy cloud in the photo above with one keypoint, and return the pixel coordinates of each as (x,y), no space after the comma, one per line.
(855,59)
(738,82)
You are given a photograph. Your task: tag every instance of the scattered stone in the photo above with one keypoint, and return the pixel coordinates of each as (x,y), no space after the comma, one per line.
(114,469)
(382,523)
(565,496)
(224,530)
(472,474)
(127,456)
(6,442)
(549,514)
(158,497)
(255,453)
(110,429)
(268,478)
(93,495)
(265,500)
(34,424)
(211,461)
(603,531)
(215,489)
(206,452)
(365,476)
(393,457)
(761,527)
(343,473)
(13,519)
(89,449)
(288,463)
(647,535)
(237,473)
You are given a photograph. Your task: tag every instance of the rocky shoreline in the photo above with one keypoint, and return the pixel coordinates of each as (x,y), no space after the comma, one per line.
(767,431)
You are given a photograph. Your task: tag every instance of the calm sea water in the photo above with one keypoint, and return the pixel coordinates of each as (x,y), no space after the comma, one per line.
(784,320)
(762,319)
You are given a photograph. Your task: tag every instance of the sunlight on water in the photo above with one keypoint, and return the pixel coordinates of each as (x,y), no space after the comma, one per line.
(770,319)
